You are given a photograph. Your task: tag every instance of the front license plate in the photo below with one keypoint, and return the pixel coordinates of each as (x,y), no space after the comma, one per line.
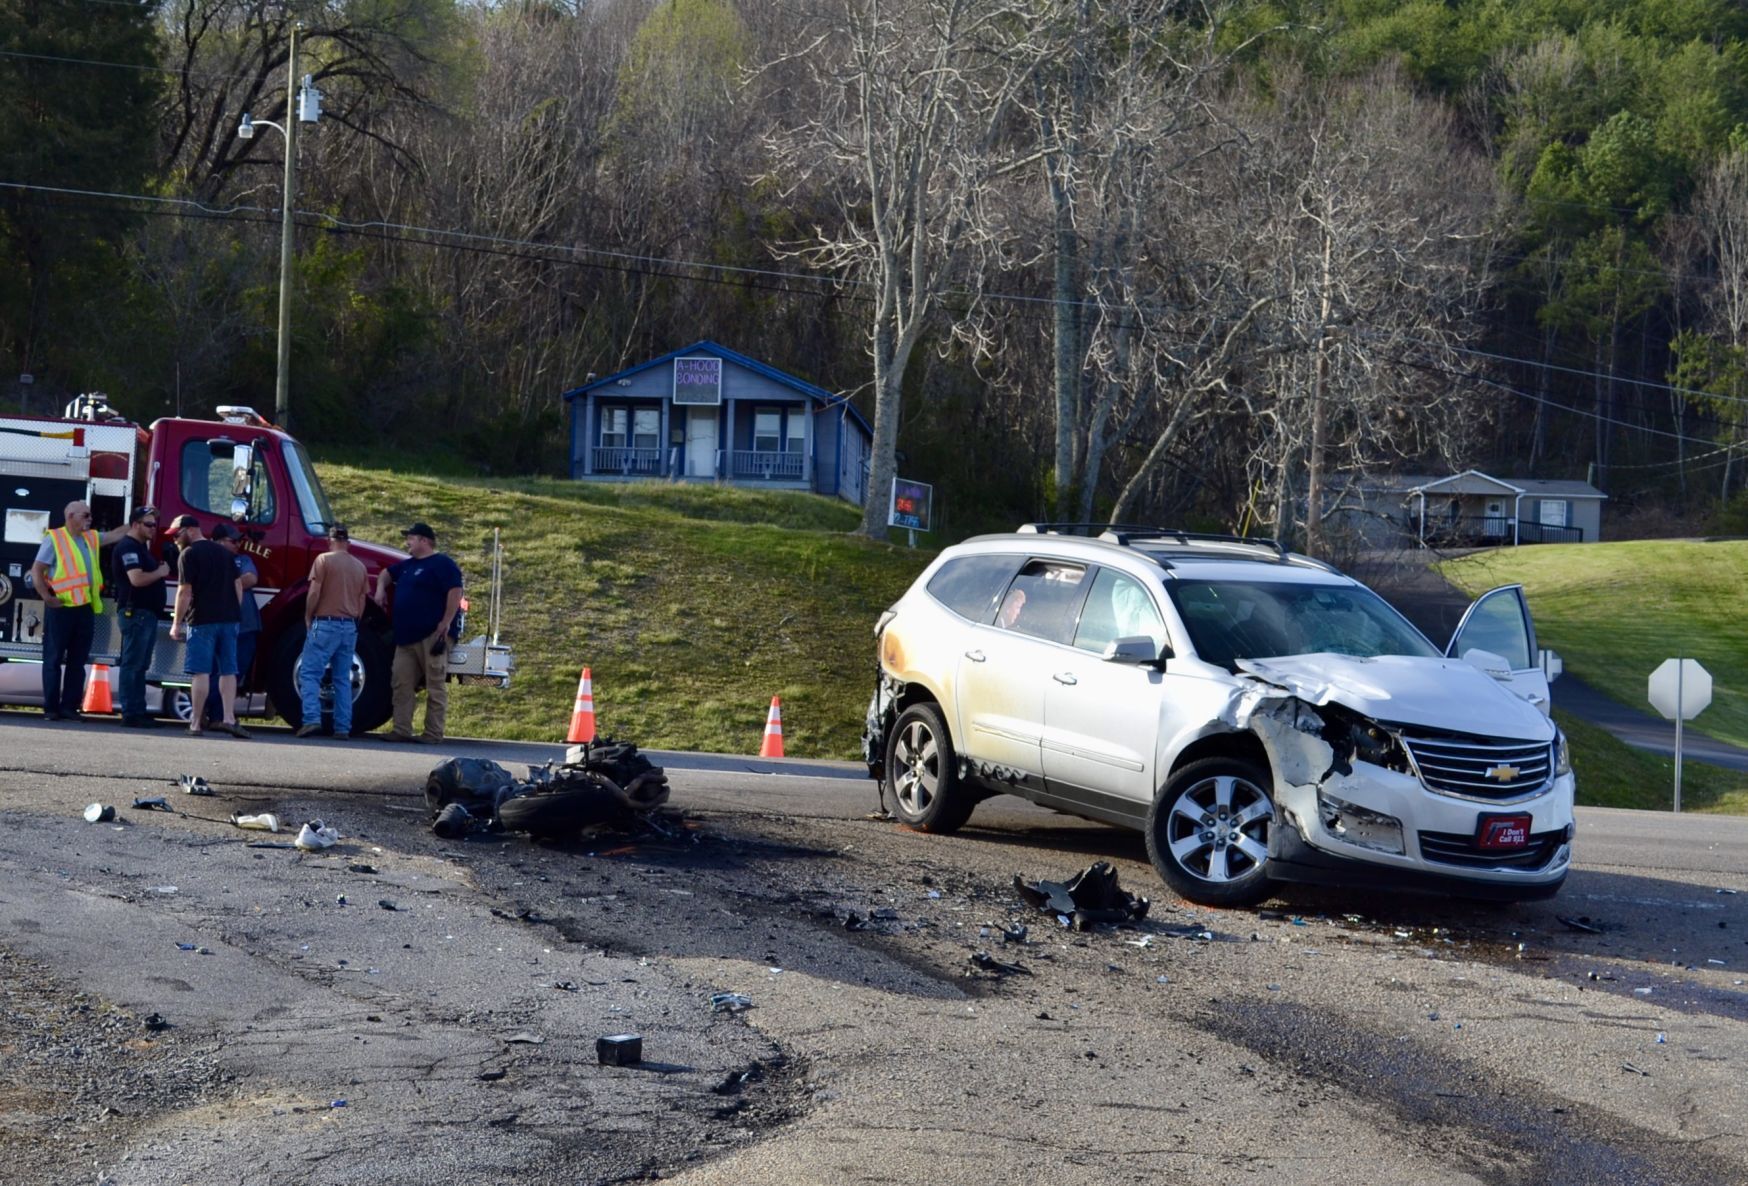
(1503,832)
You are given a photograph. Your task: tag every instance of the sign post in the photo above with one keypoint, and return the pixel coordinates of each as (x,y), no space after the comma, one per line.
(1680,689)
(910,507)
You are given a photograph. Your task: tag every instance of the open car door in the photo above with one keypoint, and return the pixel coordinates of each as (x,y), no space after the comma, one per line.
(1499,624)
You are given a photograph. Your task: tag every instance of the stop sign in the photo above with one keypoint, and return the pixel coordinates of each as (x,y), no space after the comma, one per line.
(1690,698)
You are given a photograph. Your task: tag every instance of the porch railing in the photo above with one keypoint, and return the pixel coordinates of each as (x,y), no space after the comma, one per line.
(1469,531)
(769,467)
(627,461)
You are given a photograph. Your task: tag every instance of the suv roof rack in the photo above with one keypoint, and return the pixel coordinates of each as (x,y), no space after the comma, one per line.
(1129,534)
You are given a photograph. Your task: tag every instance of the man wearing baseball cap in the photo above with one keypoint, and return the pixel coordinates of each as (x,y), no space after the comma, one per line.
(207,614)
(425,593)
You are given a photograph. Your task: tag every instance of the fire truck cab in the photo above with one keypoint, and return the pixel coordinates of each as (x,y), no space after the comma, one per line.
(238,469)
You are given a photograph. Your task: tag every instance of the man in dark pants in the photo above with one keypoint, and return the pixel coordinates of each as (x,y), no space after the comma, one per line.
(137,581)
(67,576)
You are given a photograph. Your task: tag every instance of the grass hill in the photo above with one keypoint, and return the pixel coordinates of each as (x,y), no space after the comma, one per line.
(1616,611)
(691,605)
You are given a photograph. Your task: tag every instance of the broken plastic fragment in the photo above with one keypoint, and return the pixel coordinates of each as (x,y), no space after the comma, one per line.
(729,1002)
(1582,923)
(152,804)
(193,784)
(99,813)
(985,962)
(1092,898)
(265,822)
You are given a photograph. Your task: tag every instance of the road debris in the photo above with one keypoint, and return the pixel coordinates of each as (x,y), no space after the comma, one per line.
(729,1002)
(316,836)
(1092,898)
(985,962)
(1629,1067)
(264,822)
(601,784)
(152,804)
(619,1050)
(1581,923)
(387,904)
(99,813)
(524,1038)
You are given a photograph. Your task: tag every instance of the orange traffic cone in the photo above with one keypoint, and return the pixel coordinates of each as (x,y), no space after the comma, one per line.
(773,747)
(97,690)
(583,712)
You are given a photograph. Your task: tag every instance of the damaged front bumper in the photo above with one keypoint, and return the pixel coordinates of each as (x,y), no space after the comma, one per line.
(1343,819)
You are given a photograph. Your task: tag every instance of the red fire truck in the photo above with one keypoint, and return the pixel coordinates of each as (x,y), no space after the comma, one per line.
(239,469)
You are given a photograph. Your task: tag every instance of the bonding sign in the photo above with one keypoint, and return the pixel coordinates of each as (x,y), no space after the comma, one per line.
(910,504)
(698,381)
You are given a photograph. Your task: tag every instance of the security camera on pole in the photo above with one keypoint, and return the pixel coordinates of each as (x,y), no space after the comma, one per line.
(303,105)
(1680,689)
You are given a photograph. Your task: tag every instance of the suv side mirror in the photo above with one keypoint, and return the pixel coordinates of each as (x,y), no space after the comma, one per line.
(1137,650)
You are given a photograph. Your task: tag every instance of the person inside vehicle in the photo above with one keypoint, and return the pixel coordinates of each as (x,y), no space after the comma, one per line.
(1011,606)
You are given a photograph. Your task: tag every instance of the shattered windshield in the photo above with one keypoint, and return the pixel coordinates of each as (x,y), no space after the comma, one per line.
(1232,620)
(312,500)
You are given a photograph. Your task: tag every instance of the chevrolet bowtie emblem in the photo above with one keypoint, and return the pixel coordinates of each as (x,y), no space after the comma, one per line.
(1504,773)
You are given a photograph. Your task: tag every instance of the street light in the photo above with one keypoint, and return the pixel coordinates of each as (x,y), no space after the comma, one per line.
(306,104)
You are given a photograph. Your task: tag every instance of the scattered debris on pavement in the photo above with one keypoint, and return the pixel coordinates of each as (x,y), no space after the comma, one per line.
(193,784)
(264,822)
(1582,923)
(729,1002)
(619,1050)
(99,813)
(985,962)
(1092,898)
(316,836)
(152,804)
(600,784)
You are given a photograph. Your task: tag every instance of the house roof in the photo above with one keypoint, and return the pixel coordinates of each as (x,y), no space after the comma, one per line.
(1473,481)
(706,346)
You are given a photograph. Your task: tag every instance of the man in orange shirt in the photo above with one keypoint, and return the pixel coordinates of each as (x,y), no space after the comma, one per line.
(335,604)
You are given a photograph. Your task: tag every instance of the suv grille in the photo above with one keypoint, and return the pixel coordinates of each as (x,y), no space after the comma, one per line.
(1454,848)
(1481,767)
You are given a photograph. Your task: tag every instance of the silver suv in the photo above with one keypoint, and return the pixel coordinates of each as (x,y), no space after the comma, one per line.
(1258,715)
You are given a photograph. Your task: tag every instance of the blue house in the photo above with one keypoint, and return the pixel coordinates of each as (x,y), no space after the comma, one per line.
(709,414)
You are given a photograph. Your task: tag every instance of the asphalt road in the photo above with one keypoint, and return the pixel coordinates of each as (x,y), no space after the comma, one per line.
(448,1036)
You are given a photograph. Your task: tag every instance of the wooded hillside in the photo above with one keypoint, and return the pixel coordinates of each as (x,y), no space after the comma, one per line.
(1148,259)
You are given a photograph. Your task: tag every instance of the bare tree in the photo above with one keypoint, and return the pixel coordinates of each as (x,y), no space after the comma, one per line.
(911,98)
(1374,227)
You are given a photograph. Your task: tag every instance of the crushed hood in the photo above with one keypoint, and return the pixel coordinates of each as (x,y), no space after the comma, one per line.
(1437,693)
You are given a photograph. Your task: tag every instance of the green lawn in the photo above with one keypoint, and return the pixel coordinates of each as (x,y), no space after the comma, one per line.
(692,605)
(1614,774)
(1615,611)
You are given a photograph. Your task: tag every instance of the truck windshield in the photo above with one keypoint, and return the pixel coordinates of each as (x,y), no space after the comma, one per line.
(312,500)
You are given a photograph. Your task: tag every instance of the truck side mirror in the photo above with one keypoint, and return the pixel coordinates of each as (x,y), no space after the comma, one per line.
(242,479)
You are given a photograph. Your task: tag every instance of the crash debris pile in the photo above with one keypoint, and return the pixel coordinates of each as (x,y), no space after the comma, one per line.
(605,783)
(1091,898)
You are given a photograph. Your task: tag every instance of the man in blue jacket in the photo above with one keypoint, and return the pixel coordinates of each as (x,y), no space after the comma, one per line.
(423,595)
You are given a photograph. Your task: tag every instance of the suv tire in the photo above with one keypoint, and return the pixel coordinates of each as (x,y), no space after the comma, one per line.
(1207,832)
(922,772)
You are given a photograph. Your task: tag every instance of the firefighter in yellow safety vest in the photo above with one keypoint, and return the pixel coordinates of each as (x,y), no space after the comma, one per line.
(67,576)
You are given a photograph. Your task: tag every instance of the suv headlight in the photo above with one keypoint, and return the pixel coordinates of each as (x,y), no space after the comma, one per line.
(1562,754)
(1375,744)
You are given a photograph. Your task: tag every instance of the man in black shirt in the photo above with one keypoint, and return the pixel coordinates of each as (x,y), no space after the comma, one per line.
(137,577)
(208,610)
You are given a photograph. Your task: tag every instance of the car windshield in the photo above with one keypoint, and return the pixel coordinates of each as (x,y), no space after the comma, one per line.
(1232,620)
(312,500)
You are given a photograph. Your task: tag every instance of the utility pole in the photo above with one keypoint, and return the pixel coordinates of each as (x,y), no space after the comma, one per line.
(282,383)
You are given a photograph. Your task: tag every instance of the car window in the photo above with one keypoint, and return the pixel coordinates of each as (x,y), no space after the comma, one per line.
(1497,624)
(1232,620)
(1117,607)
(1043,601)
(969,585)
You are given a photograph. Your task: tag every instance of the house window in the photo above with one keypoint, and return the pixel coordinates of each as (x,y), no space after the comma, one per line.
(1553,512)
(613,421)
(767,430)
(797,427)
(646,427)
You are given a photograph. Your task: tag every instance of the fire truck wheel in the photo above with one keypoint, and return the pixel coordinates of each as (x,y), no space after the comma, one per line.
(372,670)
